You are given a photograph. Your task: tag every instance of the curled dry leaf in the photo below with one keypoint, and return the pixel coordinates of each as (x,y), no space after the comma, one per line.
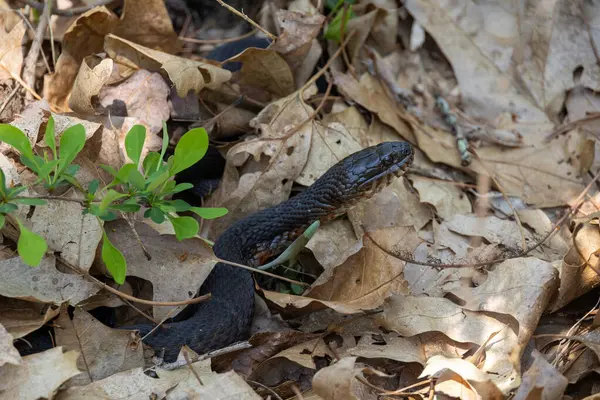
(187,75)
(576,276)
(338,382)
(94,73)
(43,283)
(260,172)
(459,378)
(21,317)
(39,375)
(148,25)
(177,269)
(8,353)
(103,351)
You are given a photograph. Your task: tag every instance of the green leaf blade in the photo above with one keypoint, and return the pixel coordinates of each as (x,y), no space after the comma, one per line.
(134,143)
(114,260)
(209,212)
(185,227)
(50,136)
(17,139)
(190,149)
(31,246)
(71,143)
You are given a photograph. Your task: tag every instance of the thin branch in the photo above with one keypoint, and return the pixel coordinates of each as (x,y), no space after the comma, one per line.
(217,41)
(71,12)
(245,17)
(9,98)
(36,46)
(137,236)
(258,271)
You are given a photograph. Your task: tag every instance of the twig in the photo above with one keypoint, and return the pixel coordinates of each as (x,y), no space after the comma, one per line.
(570,125)
(189,364)
(22,83)
(159,324)
(9,98)
(36,46)
(217,41)
(137,236)
(71,11)
(258,271)
(210,354)
(245,17)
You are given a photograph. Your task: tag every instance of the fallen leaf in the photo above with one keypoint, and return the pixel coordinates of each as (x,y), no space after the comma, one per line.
(8,353)
(43,283)
(338,382)
(173,278)
(39,375)
(11,52)
(542,381)
(103,351)
(187,75)
(447,198)
(94,73)
(21,317)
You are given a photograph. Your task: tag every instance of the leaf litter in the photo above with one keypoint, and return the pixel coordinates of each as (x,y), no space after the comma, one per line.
(382,316)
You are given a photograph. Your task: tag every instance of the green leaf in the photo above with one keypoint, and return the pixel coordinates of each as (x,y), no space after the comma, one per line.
(296,289)
(209,212)
(151,163)
(31,246)
(109,169)
(136,179)
(185,227)
(190,149)
(155,215)
(114,260)
(2,220)
(17,139)
(180,205)
(108,216)
(71,143)
(46,168)
(30,202)
(93,186)
(334,29)
(50,136)
(108,198)
(158,180)
(168,188)
(7,208)
(165,143)
(134,143)
(124,172)
(15,191)
(3,188)
(181,187)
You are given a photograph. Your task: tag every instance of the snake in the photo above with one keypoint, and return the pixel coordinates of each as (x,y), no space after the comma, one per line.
(227,316)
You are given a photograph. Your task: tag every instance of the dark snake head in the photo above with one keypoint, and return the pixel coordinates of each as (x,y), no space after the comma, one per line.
(362,174)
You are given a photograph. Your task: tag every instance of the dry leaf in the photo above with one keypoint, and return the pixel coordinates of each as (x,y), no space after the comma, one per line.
(265,69)
(338,382)
(103,351)
(43,283)
(8,353)
(173,277)
(541,381)
(11,52)
(187,75)
(39,375)
(21,317)
(94,73)
(447,198)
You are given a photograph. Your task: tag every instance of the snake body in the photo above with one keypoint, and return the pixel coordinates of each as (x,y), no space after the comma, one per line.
(226,317)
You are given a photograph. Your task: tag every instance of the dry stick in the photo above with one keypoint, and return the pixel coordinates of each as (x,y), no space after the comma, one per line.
(578,202)
(258,271)
(71,11)
(137,236)
(32,29)
(217,41)
(189,364)
(36,46)
(159,324)
(21,82)
(244,16)
(570,125)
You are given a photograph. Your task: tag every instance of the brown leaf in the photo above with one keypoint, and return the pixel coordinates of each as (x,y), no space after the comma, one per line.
(93,74)
(103,351)
(187,75)
(265,69)
(21,317)
(39,375)
(8,352)
(166,254)
(259,173)
(541,381)
(338,382)
(11,53)
(447,198)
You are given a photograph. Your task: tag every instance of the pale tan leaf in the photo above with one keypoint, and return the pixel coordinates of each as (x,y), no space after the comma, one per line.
(447,198)
(8,353)
(93,74)
(541,380)
(103,351)
(11,53)
(338,382)
(265,69)
(39,375)
(21,317)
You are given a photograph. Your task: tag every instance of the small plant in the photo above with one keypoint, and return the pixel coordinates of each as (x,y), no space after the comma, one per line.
(147,182)
(340,11)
